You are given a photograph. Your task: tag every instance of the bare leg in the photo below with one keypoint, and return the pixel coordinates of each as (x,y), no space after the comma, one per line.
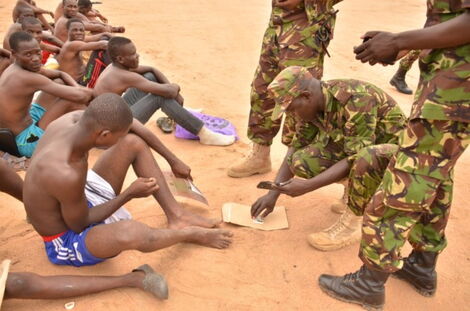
(32,286)
(10,182)
(132,150)
(104,241)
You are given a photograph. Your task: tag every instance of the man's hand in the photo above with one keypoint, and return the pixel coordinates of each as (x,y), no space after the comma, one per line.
(172,90)
(142,187)
(180,99)
(293,187)
(379,47)
(181,170)
(265,203)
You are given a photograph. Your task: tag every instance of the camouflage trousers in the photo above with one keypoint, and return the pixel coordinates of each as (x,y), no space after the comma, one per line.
(273,59)
(313,159)
(407,61)
(412,201)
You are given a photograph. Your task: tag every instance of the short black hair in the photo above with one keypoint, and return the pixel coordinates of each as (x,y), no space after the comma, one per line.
(108,111)
(84,4)
(114,44)
(29,21)
(17,37)
(73,20)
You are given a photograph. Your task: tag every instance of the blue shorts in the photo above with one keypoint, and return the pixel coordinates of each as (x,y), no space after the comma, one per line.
(68,248)
(29,137)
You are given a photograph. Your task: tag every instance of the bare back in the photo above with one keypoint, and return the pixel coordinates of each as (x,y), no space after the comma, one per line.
(50,165)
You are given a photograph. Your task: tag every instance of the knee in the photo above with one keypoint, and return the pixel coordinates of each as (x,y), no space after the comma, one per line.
(150,76)
(134,142)
(131,234)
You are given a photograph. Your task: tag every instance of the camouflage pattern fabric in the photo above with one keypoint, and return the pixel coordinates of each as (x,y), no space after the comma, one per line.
(414,198)
(443,91)
(357,114)
(407,61)
(296,37)
(413,201)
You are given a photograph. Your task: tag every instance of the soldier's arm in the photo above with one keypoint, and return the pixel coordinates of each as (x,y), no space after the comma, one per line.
(384,46)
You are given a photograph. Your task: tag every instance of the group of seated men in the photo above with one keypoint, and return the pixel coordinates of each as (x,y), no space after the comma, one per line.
(46,82)
(346,129)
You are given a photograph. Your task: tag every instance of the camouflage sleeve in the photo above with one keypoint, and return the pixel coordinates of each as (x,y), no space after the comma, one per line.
(360,125)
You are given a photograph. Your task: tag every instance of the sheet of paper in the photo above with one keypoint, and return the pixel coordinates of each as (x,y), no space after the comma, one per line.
(239,214)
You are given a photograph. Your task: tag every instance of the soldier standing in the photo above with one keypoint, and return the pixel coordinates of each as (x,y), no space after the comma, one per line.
(414,197)
(299,32)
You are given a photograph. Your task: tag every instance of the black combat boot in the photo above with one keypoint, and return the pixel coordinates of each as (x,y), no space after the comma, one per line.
(398,81)
(364,287)
(419,271)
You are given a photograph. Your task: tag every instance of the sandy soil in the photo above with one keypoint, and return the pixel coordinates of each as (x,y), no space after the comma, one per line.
(211,49)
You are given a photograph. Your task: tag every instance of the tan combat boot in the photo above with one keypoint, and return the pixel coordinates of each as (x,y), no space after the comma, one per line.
(339,207)
(345,231)
(257,162)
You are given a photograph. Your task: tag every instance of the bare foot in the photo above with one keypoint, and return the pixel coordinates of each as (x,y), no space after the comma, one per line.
(216,238)
(188,219)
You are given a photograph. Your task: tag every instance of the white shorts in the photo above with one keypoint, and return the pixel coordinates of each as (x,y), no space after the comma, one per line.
(99,191)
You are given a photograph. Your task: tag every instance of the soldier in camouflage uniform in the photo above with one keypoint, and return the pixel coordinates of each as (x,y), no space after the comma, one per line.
(299,32)
(341,117)
(398,80)
(413,200)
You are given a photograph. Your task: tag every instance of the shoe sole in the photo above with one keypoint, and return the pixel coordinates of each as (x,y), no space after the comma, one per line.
(332,248)
(241,175)
(420,291)
(364,305)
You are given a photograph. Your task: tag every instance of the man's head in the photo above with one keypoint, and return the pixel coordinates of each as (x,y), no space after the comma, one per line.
(75,29)
(24,12)
(70,8)
(32,26)
(26,51)
(123,52)
(109,118)
(84,6)
(295,89)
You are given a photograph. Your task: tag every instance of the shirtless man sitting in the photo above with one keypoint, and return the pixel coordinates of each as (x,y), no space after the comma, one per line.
(145,94)
(70,8)
(70,58)
(18,83)
(32,286)
(32,26)
(38,12)
(78,211)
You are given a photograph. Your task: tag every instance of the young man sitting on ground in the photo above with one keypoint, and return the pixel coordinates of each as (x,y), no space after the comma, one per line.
(18,83)
(147,89)
(78,211)
(70,58)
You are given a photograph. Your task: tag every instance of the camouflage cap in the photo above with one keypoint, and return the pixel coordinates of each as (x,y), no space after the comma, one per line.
(285,87)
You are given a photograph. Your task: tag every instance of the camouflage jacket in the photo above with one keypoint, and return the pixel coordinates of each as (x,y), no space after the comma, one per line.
(357,114)
(307,20)
(444,89)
